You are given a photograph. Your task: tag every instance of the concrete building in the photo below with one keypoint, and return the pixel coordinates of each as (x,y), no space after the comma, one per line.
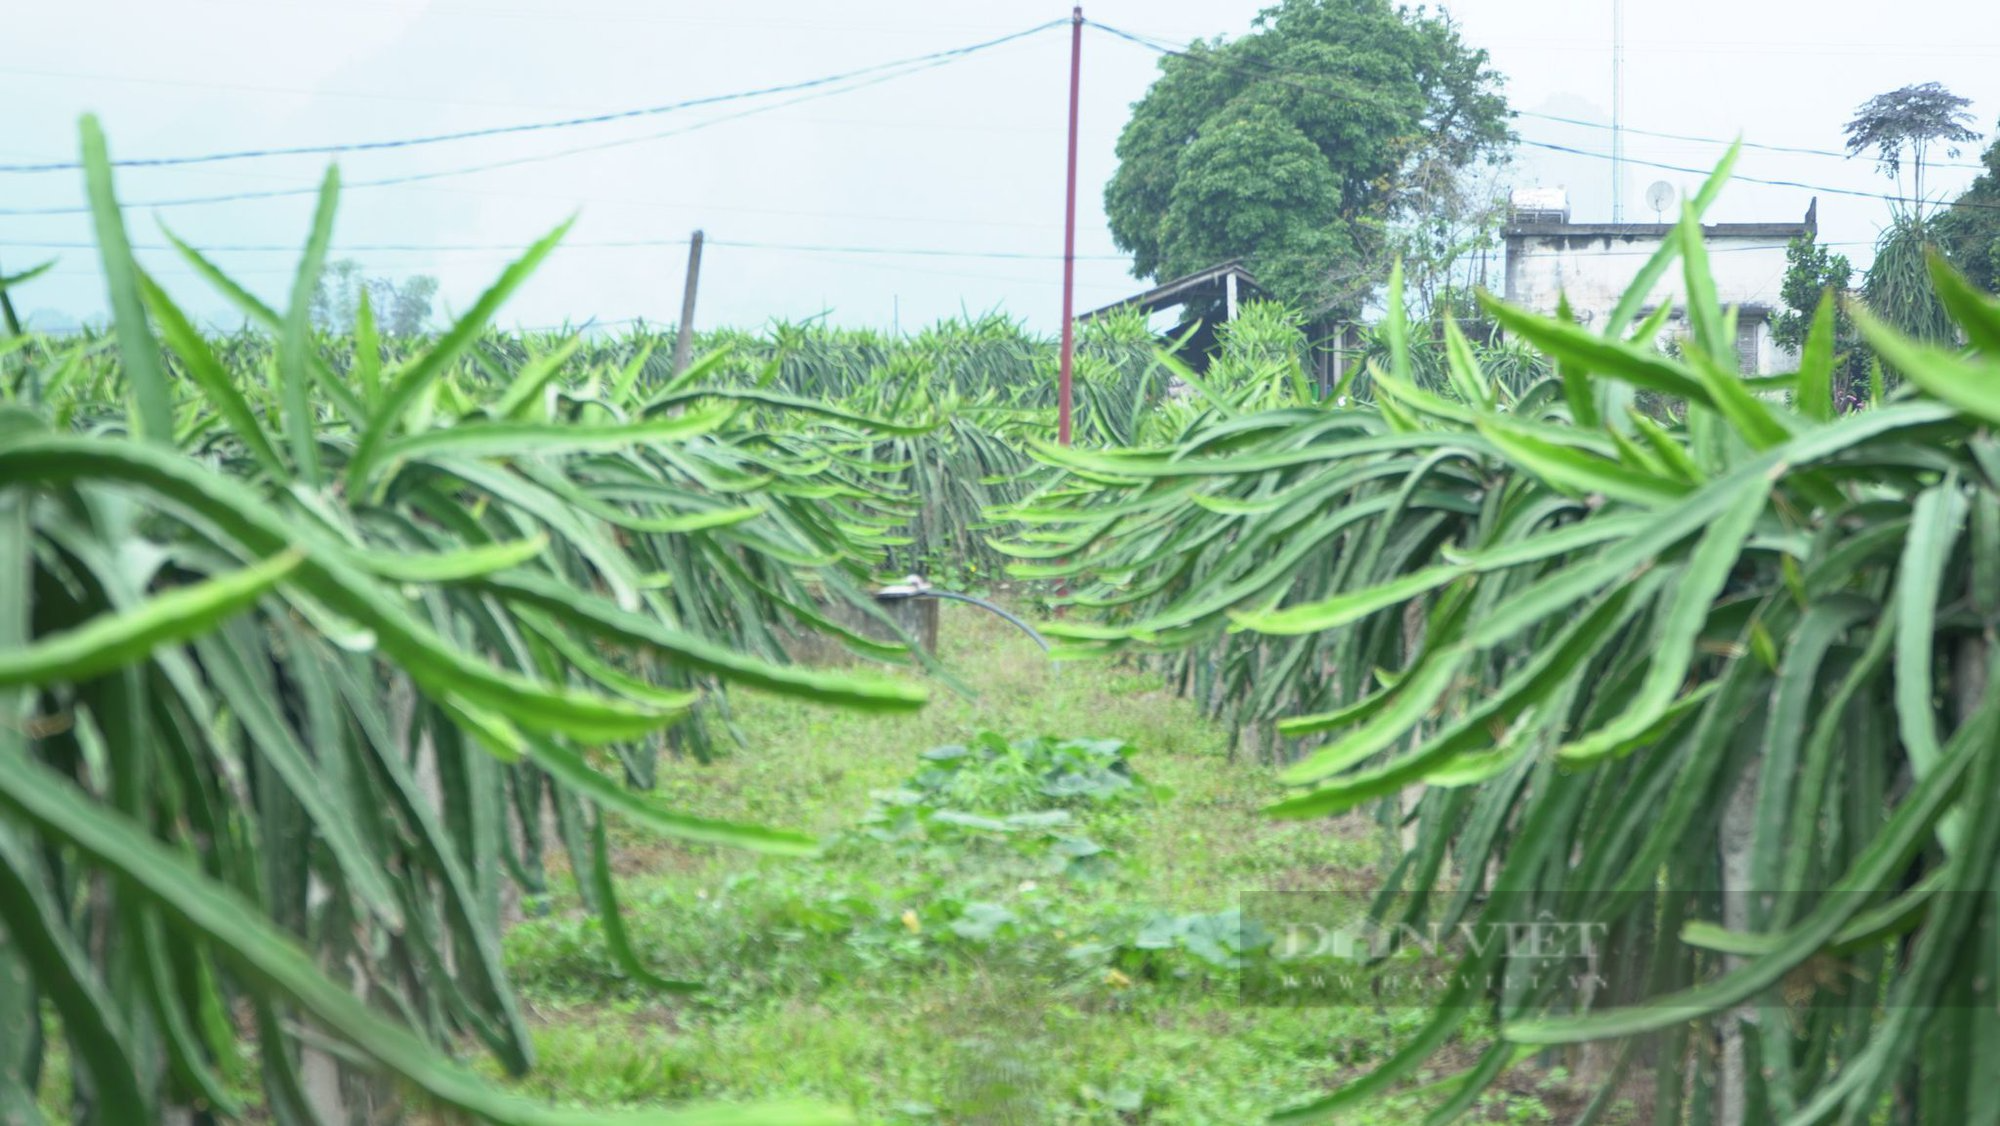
(1593,264)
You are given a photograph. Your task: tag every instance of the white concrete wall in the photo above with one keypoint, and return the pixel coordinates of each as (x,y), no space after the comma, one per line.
(1594,271)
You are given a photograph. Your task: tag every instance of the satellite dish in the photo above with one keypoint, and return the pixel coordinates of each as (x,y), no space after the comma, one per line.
(1659,197)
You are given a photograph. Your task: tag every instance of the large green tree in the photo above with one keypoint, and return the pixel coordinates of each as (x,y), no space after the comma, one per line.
(1969,230)
(1812,272)
(1902,128)
(1301,144)
(400,308)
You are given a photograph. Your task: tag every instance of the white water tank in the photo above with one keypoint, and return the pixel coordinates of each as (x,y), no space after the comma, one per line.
(1538,205)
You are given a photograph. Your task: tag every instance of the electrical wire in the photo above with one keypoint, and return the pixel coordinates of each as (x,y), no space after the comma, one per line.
(912,252)
(604,244)
(576,198)
(573,15)
(1796,149)
(1776,183)
(437,174)
(1284,76)
(1714,249)
(294,91)
(489,166)
(621,244)
(915,61)
(1165,47)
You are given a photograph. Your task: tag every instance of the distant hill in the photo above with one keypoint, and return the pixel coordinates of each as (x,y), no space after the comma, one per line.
(54,322)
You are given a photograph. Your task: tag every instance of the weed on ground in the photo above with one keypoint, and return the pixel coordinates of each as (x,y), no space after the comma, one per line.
(1025,911)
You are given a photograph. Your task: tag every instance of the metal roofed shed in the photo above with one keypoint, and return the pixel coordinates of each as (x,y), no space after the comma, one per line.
(1224,286)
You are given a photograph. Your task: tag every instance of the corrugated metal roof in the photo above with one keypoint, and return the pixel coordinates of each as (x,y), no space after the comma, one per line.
(1181,290)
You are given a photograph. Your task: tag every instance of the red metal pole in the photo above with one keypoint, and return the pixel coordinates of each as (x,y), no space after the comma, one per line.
(1069,232)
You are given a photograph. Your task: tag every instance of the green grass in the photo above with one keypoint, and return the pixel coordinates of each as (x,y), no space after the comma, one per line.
(958,980)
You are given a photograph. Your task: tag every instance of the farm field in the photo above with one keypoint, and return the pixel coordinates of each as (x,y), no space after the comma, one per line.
(887,976)
(417,726)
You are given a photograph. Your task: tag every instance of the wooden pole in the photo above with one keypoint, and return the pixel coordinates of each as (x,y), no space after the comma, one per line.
(684,337)
(1069,236)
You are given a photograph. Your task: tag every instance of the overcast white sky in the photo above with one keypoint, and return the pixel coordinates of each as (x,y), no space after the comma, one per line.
(966,157)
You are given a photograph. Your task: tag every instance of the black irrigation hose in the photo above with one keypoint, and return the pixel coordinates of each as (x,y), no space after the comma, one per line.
(980,602)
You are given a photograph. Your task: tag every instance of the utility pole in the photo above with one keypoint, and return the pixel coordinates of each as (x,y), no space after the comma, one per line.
(1069,234)
(684,337)
(1618,111)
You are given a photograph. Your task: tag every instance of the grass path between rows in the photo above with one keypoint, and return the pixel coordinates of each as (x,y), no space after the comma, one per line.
(999,978)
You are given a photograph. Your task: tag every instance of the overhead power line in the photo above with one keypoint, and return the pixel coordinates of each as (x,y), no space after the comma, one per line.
(296,91)
(915,61)
(626,244)
(574,197)
(1291,78)
(1776,183)
(493,165)
(1796,149)
(1158,44)
(603,244)
(915,252)
(1725,249)
(575,15)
